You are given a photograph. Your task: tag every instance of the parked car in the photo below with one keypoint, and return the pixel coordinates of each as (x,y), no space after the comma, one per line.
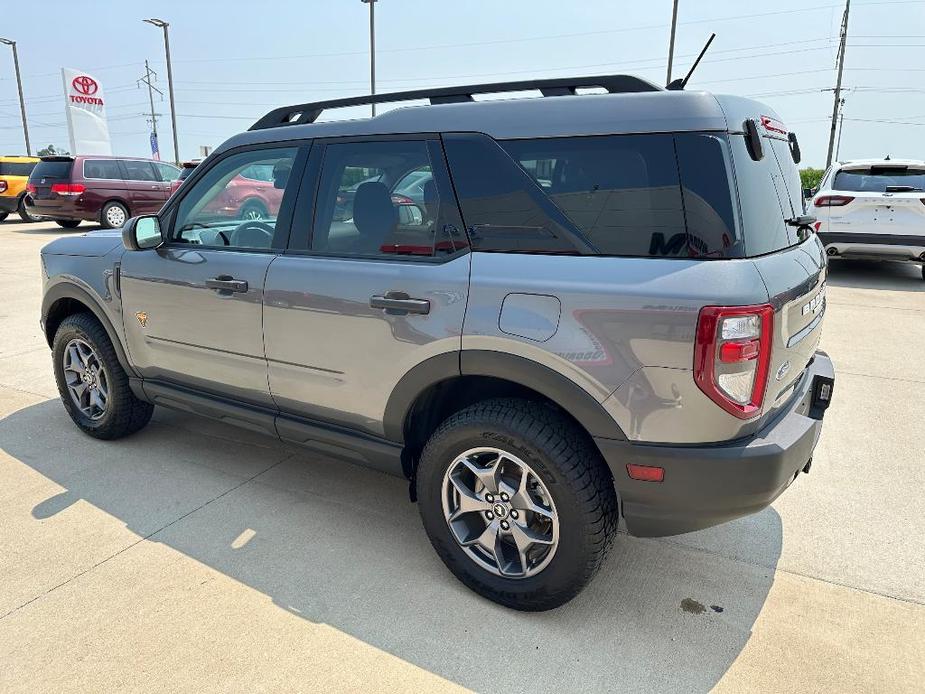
(101,189)
(630,329)
(186,168)
(14,175)
(873,209)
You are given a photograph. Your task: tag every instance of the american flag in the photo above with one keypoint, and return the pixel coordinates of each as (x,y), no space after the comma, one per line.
(155,152)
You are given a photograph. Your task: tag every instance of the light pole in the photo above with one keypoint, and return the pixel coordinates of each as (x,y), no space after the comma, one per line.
(22,102)
(372,49)
(173,111)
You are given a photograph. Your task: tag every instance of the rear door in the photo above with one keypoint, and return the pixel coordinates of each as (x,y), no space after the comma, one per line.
(886,200)
(143,185)
(367,292)
(791,261)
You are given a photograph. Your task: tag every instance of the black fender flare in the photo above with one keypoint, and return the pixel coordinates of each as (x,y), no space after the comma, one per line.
(509,367)
(69,290)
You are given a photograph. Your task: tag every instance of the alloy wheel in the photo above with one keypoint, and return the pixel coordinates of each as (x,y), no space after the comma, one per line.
(86,379)
(500,513)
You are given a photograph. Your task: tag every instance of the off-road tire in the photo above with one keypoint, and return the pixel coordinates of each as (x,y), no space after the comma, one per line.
(125,414)
(571,468)
(3,216)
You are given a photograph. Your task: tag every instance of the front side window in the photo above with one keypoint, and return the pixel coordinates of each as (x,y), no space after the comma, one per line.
(382,199)
(224,208)
(139,171)
(104,169)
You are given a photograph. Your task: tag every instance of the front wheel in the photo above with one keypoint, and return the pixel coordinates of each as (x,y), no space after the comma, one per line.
(68,223)
(517,502)
(92,383)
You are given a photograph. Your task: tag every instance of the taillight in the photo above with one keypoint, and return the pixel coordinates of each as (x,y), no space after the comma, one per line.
(399,199)
(30,188)
(832,200)
(3,186)
(817,226)
(732,356)
(68,188)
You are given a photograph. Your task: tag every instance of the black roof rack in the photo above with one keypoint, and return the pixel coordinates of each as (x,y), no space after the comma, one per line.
(299,114)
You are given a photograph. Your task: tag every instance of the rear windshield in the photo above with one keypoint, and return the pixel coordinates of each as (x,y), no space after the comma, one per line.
(880,179)
(16,168)
(52,169)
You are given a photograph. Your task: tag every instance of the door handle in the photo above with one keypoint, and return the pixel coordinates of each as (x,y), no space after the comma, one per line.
(227,283)
(399,304)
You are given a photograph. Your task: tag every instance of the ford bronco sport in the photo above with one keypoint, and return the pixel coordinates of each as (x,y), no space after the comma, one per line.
(599,305)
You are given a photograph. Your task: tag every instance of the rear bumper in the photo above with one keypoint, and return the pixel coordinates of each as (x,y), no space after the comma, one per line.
(707,485)
(874,246)
(9,203)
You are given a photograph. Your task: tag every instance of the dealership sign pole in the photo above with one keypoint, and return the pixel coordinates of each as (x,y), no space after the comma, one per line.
(85,106)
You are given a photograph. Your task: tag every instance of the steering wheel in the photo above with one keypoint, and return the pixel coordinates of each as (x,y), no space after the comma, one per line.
(253,225)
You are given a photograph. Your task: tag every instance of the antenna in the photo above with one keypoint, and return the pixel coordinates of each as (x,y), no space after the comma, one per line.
(678,84)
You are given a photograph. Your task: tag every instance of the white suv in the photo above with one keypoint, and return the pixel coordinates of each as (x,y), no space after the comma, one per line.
(873,209)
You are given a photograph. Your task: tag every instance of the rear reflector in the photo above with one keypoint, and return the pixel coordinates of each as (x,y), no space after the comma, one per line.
(645,473)
(832,200)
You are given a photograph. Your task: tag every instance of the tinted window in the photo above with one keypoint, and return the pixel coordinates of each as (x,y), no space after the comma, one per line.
(168,172)
(621,191)
(225,209)
(52,169)
(880,179)
(503,207)
(790,175)
(185,172)
(16,168)
(102,168)
(762,199)
(360,212)
(139,171)
(703,162)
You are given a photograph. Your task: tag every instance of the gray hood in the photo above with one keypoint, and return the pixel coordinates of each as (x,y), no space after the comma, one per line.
(92,244)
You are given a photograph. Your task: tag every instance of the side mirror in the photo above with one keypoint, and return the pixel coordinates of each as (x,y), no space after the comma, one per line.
(141,233)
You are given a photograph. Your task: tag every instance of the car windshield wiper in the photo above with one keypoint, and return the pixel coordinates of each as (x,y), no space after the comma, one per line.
(903,189)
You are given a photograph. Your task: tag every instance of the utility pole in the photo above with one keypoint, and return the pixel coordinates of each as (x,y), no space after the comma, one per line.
(841,126)
(841,68)
(173,110)
(22,102)
(146,80)
(674,25)
(372,49)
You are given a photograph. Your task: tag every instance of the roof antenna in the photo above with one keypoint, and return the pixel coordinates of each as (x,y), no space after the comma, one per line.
(679,84)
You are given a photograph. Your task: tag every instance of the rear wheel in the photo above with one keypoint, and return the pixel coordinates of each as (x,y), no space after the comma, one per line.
(25,214)
(113,215)
(68,223)
(92,383)
(517,502)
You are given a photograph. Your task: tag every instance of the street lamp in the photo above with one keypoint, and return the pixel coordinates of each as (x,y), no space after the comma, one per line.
(173,111)
(22,102)
(372,49)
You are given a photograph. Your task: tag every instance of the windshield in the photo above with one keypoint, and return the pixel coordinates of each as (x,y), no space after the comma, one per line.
(880,179)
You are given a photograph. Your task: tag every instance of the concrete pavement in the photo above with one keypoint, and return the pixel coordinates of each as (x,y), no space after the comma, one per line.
(197,557)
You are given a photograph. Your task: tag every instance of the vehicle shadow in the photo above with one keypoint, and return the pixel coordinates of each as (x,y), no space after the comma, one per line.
(873,274)
(341,545)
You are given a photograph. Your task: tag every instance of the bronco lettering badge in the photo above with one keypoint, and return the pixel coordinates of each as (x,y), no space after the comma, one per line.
(142,318)
(813,305)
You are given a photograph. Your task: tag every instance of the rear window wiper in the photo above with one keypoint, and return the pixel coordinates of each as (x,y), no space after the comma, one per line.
(903,189)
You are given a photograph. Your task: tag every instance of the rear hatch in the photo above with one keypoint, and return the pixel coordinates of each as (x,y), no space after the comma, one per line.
(876,199)
(790,259)
(47,173)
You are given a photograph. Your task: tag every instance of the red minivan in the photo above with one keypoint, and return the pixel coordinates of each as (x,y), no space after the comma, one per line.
(101,189)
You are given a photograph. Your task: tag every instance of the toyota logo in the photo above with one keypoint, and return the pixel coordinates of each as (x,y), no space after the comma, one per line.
(85,85)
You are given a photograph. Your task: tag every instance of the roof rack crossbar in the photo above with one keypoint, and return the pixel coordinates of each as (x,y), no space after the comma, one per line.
(299,114)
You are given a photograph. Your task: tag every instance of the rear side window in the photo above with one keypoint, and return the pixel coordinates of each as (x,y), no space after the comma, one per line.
(139,171)
(106,169)
(881,179)
(622,192)
(763,200)
(52,169)
(16,168)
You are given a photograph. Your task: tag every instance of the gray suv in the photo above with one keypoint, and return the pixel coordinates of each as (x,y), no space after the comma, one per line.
(597,306)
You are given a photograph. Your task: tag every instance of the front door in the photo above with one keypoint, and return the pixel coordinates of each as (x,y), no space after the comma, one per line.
(374,283)
(192,308)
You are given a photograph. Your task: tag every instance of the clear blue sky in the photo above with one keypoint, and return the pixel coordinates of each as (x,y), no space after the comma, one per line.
(233,60)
